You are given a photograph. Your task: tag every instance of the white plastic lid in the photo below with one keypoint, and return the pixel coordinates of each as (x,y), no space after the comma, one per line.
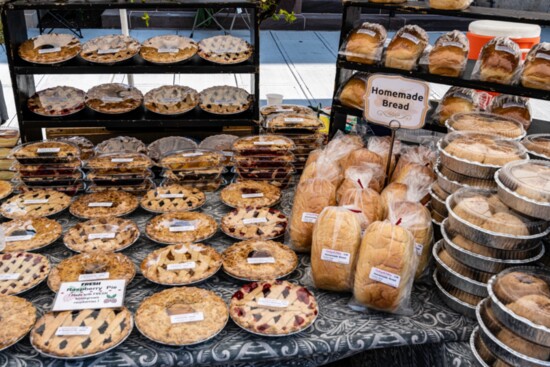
(493,28)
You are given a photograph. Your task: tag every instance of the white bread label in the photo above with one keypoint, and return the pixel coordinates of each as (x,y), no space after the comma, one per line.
(167,50)
(309,217)
(294,120)
(181,266)
(25,237)
(334,256)
(512,104)
(10,276)
(49,50)
(418,248)
(228,154)
(385,277)
(195,154)
(254,220)
(187,317)
(95,276)
(122,160)
(73,330)
(284,110)
(369,32)
(48,150)
(171,196)
(452,44)
(504,49)
(35,201)
(260,260)
(108,51)
(250,196)
(410,37)
(542,55)
(268,302)
(100,205)
(101,236)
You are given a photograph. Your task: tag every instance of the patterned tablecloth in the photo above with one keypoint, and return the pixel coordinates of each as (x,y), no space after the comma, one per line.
(339,332)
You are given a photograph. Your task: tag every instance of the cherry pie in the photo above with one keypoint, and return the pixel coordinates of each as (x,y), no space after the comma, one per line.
(113,98)
(257,224)
(225,100)
(57,101)
(18,317)
(252,194)
(104,204)
(21,271)
(46,152)
(181,227)
(110,49)
(171,99)
(49,48)
(102,234)
(168,49)
(173,198)
(30,234)
(225,49)
(34,204)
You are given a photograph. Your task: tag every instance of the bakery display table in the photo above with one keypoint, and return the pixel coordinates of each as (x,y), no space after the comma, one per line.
(338,332)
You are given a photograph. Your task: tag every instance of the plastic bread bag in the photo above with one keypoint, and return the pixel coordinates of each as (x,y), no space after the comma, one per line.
(499,62)
(360,156)
(381,146)
(416,218)
(367,175)
(311,197)
(334,249)
(515,107)
(342,145)
(415,189)
(365,44)
(323,168)
(406,48)
(536,69)
(312,157)
(352,92)
(385,270)
(457,100)
(366,201)
(449,55)
(420,155)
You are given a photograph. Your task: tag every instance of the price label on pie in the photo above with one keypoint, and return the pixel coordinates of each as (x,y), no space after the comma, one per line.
(24,237)
(73,330)
(261,260)
(122,160)
(47,150)
(181,266)
(269,302)
(385,277)
(294,120)
(247,221)
(111,99)
(94,276)
(100,205)
(35,201)
(183,226)
(418,249)
(274,142)
(284,110)
(251,196)
(90,294)
(227,153)
(171,196)
(9,276)
(102,236)
(167,50)
(195,154)
(49,50)
(108,51)
(309,217)
(334,256)
(187,317)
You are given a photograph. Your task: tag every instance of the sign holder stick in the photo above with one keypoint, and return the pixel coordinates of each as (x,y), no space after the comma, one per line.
(394,125)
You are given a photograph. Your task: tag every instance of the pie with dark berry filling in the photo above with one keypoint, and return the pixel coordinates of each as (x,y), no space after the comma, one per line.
(252,194)
(113,98)
(30,234)
(171,99)
(181,227)
(102,234)
(21,271)
(173,198)
(225,49)
(225,100)
(57,101)
(18,317)
(35,204)
(254,223)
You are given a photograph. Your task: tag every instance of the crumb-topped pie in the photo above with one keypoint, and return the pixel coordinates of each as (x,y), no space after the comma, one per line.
(57,101)
(225,100)
(72,334)
(255,260)
(119,162)
(113,98)
(181,264)
(191,159)
(46,152)
(181,227)
(273,308)
(168,49)
(95,265)
(171,99)
(30,234)
(18,317)
(182,316)
(102,234)
(173,198)
(49,48)
(109,203)
(254,223)
(110,49)
(253,194)
(6,189)
(21,271)
(263,144)
(34,204)
(225,49)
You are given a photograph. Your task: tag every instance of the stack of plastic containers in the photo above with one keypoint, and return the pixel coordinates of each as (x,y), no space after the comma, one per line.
(8,139)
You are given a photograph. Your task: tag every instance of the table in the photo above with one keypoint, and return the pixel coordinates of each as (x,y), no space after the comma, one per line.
(339,332)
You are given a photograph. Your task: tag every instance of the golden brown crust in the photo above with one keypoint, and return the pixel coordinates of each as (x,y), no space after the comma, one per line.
(406,47)
(533,307)
(500,58)
(18,317)
(512,286)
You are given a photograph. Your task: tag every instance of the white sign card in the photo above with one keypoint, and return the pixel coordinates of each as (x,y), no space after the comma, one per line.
(90,294)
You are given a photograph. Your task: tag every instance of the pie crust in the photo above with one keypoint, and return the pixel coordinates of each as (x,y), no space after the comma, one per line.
(32,269)
(255,260)
(225,50)
(30,234)
(191,159)
(163,146)
(85,146)
(156,314)
(110,49)
(195,175)
(168,49)
(109,328)
(171,99)
(18,317)
(273,308)
(6,189)
(57,101)
(293,121)
(252,194)
(173,198)
(116,265)
(113,98)
(273,109)
(121,144)
(35,204)
(119,163)
(49,48)
(264,144)
(102,234)
(181,227)
(109,203)
(46,152)
(181,264)
(254,223)
(225,100)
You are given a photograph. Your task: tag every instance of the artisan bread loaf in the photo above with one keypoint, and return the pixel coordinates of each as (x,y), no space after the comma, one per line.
(367,175)
(366,201)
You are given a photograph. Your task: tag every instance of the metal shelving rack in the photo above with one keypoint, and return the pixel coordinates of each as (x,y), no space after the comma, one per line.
(22,72)
(345,69)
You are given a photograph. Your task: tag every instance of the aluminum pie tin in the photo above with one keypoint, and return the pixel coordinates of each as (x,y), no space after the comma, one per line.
(520,203)
(178,242)
(37,284)
(259,280)
(456,279)
(279,335)
(7,193)
(450,185)
(270,205)
(34,248)
(183,284)
(117,250)
(519,325)
(454,303)
(473,337)
(171,211)
(438,204)
(535,155)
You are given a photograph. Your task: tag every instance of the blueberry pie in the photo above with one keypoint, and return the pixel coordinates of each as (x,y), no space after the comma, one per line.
(254,223)
(102,234)
(225,49)
(173,198)
(225,100)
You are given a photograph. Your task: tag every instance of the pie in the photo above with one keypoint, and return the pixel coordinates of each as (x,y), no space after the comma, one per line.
(275,109)
(34,204)
(264,160)
(273,308)
(538,144)
(280,183)
(46,152)
(222,143)
(48,170)
(114,178)
(253,194)
(21,271)
(49,48)
(70,190)
(113,98)
(85,145)
(255,260)
(95,265)
(162,146)
(225,49)
(57,101)
(8,139)
(18,317)
(256,224)
(265,173)
(6,189)
(191,159)
(181,264)
(108,327)
(263,144)
(102,234)
(121,144)
(181,227)
(195,175)
(119,163)
(109,203)
(173,198)
(206,186)
(225,100)
(171,99)
(30,234)
(134,190)
(293,121)
(110,49)
(168,49)
(182,316)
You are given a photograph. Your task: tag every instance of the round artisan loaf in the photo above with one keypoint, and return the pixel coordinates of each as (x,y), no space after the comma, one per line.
(360,156)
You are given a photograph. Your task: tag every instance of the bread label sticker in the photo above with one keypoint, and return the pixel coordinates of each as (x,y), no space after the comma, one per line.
(167,50)
(49,50)
(542,55)
(261,260)
(228,154)
(47,150)
(512,105)
(73,330)
(181,266)
(194,154)
(247,221)
(25,237)
(182,226)
(410,37)
(309,217)
(111,99)
(339,257)
(122,160)
(504,48)
(100,205)
(35,201)
(10,276)
(94,276)
(187,317)
(294,120)
(385,277)
(369,32)
(101,236)
(452,44)
(284,110)
(171,196)
(269,302)
(418,249)
(108,51)
(251,196)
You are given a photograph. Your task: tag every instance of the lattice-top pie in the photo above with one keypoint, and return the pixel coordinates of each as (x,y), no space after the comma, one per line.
(254,223)
(282,108)
(46,152)
(293,121)
(168,49)
(110,49)
(21,271)
(181,227)
(6,189)
(99,330)
(225,100)
(182,316)
(191,159)
(57,101)
(225,49)
(85,145)
(250,194)
(49,48)
(273,308)
(181,264)
(113,98)
(102,234)
(171,99)
(173,198)
(34,204)
(18,317)
(259,260)
(30,234)
(95,265)
(104,204)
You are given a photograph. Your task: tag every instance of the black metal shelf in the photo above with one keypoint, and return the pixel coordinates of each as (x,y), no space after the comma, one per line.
(130,4)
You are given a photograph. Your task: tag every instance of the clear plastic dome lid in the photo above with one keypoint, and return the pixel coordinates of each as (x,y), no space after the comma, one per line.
(538,144)
(191,159)
(263,143)
(530,179)
(503,126)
